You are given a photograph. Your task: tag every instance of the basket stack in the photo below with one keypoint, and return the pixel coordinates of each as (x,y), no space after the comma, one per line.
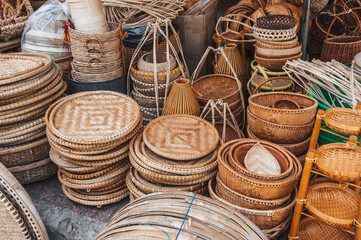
(174,153)
(97,57)
(179,215)
(29,84)
(276,41)
(267,200)
(283,118)
(89,134)
(144,86)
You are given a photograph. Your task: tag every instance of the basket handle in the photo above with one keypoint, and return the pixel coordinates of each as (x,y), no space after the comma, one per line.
(266,81)
(90,39)
(97,51)
(344,13)
(95,58)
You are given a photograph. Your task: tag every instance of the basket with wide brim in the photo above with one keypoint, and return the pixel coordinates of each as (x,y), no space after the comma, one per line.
(237,154)
(148,77)
(34,172)
(264,219)
(332,203)
(242,200)
(266,52)
(260,105)
(297,149)
(253,187)
(313,229)
(275,63)
(278,133)
(277,45)
(340,161)
(216,87)
(344,120)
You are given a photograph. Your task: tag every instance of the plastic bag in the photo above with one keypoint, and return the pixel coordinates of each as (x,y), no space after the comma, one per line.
(46,30)
(259,160)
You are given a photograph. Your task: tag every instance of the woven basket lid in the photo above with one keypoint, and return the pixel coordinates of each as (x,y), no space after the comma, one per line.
(12,225)
(344,120)
(94,117)
(23,203)
(181,137)
(15,65)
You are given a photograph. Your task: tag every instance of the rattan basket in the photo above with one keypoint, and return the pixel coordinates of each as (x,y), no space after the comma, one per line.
(276,22)
(344,120)
(277,45)
(275,63)
(148,77)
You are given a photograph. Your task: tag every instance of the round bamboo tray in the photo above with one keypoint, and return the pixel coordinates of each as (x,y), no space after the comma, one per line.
(261,106)
(344,120)
(327,202)
(313,229)
(340,161)
(22,202)
(244,201)
(264,219)
(34,172)
(25,153)
(237,153)
(216,87)
(297,149)
(165,213)
(181,137)
(253,187)
(278,133)
(65,117)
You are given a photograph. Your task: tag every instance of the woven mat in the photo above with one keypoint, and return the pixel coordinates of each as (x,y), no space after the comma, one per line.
(94,117)
(181,137)
(15,65)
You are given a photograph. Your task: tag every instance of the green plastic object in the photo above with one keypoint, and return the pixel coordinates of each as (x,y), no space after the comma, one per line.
(325,137)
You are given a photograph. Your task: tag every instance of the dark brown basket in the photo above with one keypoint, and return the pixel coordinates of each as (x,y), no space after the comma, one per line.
(342,49)
(276,22)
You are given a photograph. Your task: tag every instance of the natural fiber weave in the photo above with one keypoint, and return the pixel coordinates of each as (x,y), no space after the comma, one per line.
(181,137)
(344,120)
(13,66)
(276,22)
(335,204)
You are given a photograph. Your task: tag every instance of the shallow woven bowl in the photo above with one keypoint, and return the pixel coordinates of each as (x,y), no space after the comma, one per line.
(297,149)
(264,219)
(260,105)
(148,77)
(277,45)
(340,161)
(288,52)
(278,133)
(253,187)
(216,87)
(237,154)
(275,63)
(344,120)
(335,204)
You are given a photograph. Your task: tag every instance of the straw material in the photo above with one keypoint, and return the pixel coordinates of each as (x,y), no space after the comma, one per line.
(344,120)
(278,133)
(326,201)
(312,229)
(20,199)
(273,63)
(340,161)
(181,99)
(181,137)
(146,63)
(162,215)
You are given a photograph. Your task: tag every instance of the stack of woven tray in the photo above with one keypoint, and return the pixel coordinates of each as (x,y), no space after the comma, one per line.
(89,134)
(174,153)
(29,84)
(144,86)
(19,218)
(266,199)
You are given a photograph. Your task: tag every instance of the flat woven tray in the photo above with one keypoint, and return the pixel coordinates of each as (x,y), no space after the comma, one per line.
(94,117)
(344,120)
(22,202)
(340,160)
(15,65)
(181,137)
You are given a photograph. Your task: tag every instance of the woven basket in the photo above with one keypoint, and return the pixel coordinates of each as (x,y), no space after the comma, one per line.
(96,77)
(277,45)
(297,149)
(276,22)
(275,63)
(106,57)
(33,172)
(313,229)
(278,133)
(146,101)
(146,64)
(274,35)
(96,66)
(264,219)
(14,17)
(344,120)
(216,87)
(343,49)
(25,154)
(148,77)
(260,105)
(266,52)
(328,201)
(253,187)
(340,161)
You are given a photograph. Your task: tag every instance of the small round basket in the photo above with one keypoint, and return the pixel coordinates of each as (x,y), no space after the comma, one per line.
(327,202)
(146,63)
(344,120)
(276,22)
(275,63)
